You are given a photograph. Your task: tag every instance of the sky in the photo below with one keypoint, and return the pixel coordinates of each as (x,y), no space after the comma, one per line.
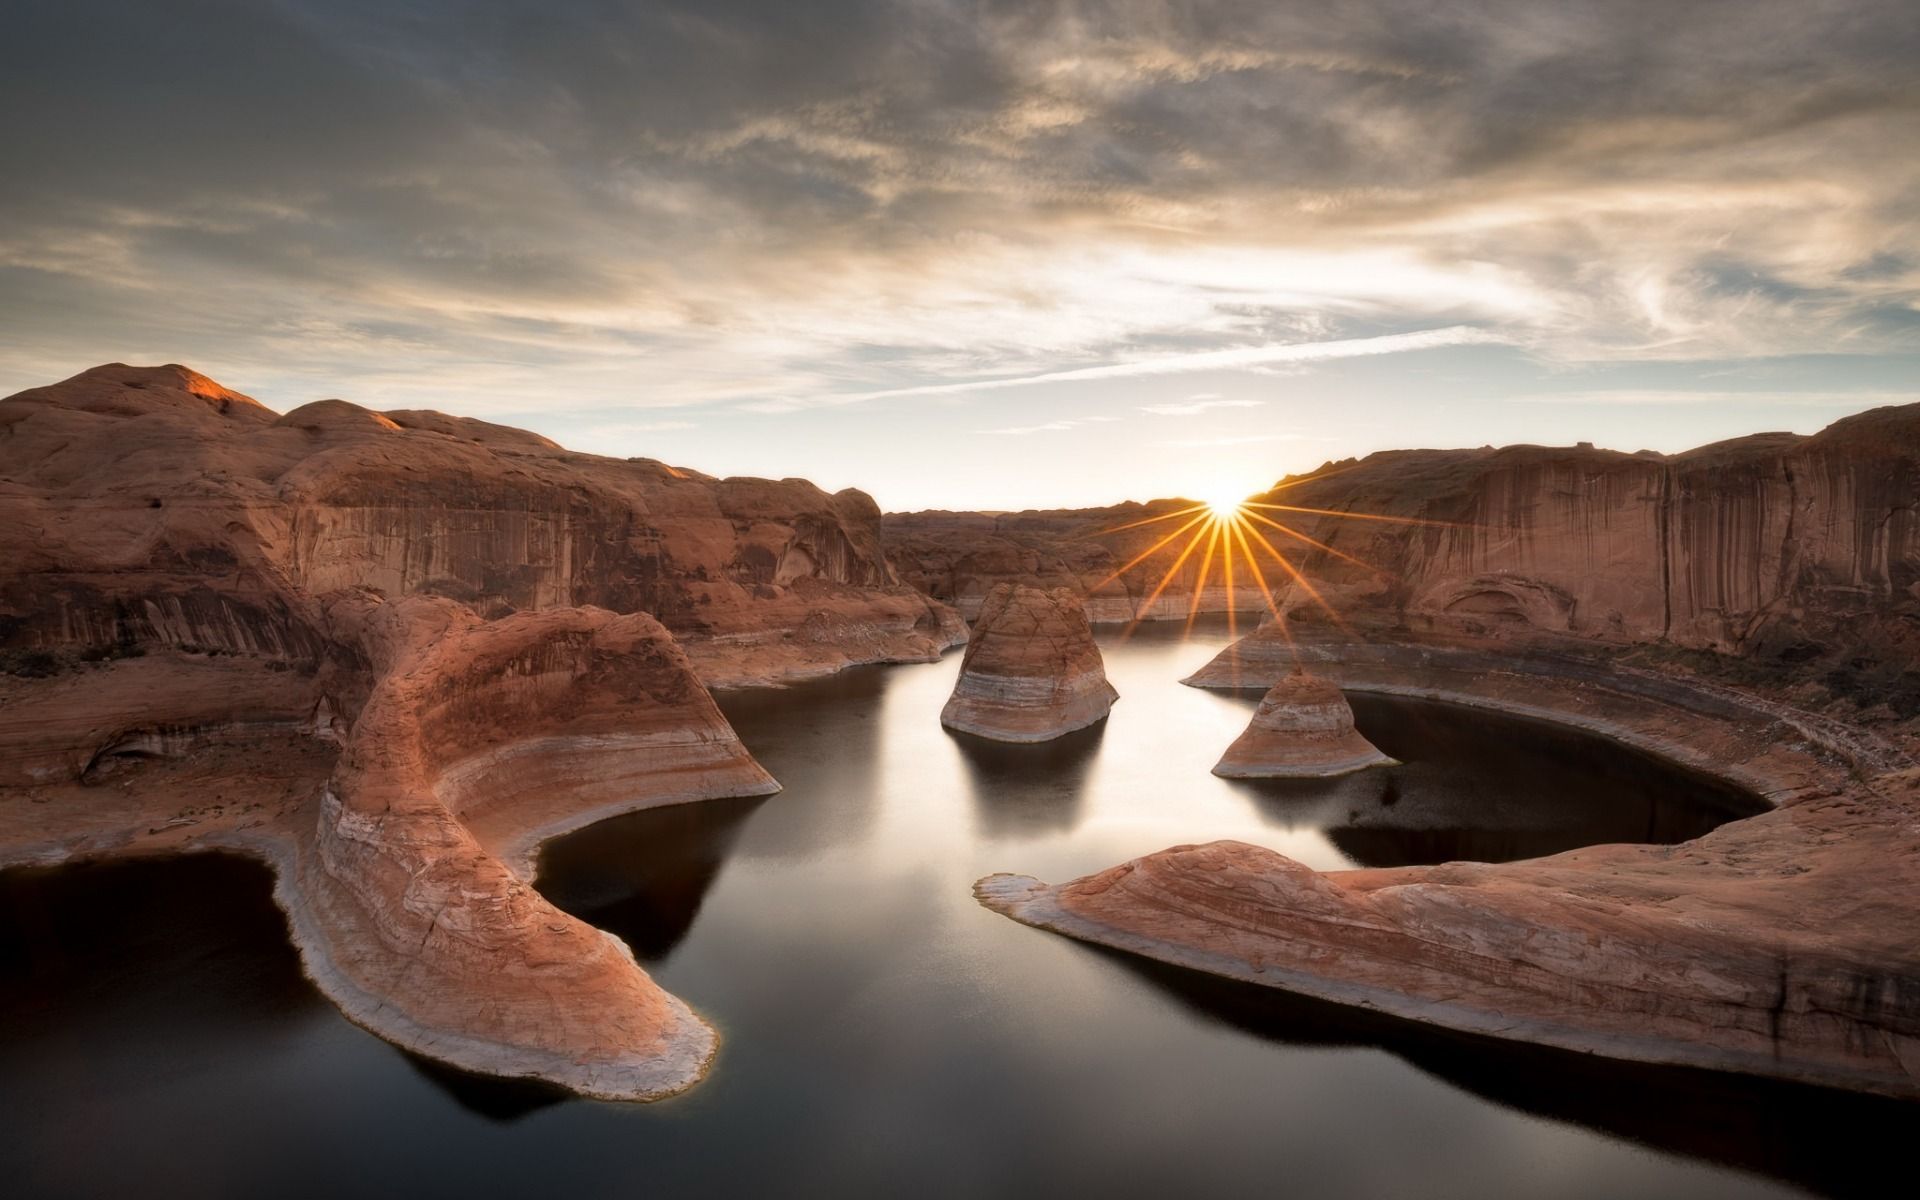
(981,254)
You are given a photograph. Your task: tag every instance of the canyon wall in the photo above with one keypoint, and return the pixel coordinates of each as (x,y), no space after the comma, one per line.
(1775,544)
(391,653)
(150,508)
(1107,555)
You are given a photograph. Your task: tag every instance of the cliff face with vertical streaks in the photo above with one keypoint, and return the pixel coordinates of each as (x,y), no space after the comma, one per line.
(1771,545)
(1767,545)
(153,509)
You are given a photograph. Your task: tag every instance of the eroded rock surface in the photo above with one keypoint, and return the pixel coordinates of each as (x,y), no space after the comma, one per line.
(403,838)
(1783,944)
(482,738)
(1775,546)
(1031,671)
(1303,729)
(153,508)
(390,653)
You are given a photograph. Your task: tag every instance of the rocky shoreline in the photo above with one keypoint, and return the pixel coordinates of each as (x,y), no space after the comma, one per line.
(1780,945)
(391,653)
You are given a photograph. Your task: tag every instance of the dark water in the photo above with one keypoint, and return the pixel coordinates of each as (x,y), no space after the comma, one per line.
(882,1033)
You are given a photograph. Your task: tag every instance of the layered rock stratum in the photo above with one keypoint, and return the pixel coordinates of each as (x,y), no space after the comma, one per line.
(1032,671)
(1764,546)
(1303,729)
(153,507)
(1748,609)
(391,653)
(1783,944)
(959,557)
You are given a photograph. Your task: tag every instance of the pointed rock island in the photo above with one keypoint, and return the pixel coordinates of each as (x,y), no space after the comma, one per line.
(1303,729)
(1032,671)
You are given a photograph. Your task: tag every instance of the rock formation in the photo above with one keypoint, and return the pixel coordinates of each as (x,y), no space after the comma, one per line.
(959,557)
(1031,671)
(1767,546)
(390,654)
(403,837)
(152,508)
(1779,945)
(1260,659)
(479,740)
(1303,729)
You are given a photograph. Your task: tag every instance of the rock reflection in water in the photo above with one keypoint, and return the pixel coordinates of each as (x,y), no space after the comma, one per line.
(1024,791)
(644,875)
(1837,1143)
(883,1033)
(1487,787)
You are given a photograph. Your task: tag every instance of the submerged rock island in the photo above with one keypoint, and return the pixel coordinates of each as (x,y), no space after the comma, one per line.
(1303,729)
(1032,671)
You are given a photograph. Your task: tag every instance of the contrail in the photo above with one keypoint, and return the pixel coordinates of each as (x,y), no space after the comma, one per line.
(1180,364)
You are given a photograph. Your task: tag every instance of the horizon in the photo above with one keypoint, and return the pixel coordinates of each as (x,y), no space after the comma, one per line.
(1220,495)
(1083,251)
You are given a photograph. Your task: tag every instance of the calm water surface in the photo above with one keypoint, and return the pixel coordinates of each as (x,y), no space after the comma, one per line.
(882,1033)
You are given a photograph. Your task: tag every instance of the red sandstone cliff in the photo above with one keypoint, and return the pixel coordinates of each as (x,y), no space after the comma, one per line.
(390,653)
(1765,545)
(151,507)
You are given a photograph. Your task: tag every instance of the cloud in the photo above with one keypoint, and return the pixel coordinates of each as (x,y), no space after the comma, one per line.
(786,207)
(1670,397)
(1174,364)
(1195,405)
(1051,426)
(623,429)
(1240,440)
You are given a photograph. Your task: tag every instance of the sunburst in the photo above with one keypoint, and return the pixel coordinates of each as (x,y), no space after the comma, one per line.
(1230,534)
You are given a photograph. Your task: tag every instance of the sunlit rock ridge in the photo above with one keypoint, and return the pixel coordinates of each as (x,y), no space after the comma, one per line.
(1748,609)
(391,653)
(1764,545)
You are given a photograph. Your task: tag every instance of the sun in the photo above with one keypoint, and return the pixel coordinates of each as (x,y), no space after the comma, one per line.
(1224,506)
(1229,536)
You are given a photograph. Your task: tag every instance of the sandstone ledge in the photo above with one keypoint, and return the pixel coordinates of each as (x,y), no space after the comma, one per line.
(403,866)
(1779,945)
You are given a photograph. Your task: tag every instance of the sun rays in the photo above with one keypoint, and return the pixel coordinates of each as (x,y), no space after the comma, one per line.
(1231,536)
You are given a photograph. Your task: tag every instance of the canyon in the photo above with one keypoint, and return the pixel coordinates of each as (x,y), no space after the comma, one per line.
(390,654)
(1747,609)
(1774,547)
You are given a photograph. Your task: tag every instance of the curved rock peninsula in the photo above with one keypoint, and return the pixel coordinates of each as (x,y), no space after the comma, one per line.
(1031,671)
(1780,945)
(1303,729)
(403,870)
(386,652)
(479,740)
